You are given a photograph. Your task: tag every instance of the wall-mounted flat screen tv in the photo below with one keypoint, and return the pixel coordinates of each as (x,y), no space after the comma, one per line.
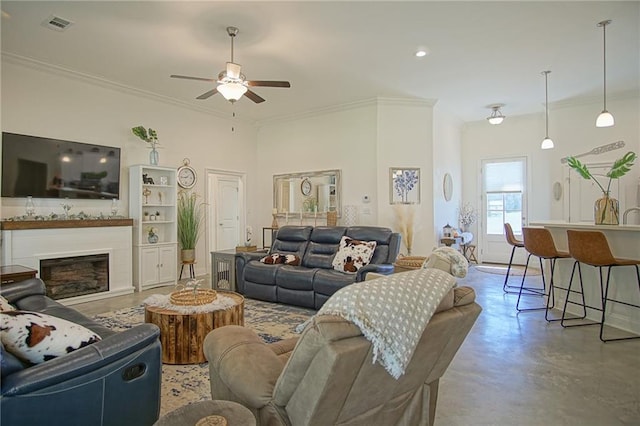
(52,168)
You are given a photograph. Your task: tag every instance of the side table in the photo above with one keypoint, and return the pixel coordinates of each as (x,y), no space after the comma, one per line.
(197,413)
(223,270)
(182,335)
(15,273)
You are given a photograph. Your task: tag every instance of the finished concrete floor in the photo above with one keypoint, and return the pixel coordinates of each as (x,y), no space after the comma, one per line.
(517,369)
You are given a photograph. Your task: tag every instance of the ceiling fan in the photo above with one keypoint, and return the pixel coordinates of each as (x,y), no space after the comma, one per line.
(232,84)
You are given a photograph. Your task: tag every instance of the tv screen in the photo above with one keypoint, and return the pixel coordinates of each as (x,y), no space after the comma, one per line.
(52,168)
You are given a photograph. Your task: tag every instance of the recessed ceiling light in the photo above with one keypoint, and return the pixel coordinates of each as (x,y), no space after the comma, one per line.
(422,52)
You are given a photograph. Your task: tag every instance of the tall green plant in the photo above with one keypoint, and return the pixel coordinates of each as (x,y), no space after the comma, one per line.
(620,168)
(190,215)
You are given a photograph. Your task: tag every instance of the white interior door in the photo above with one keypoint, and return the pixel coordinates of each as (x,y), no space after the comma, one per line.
(504,200)
(228,214)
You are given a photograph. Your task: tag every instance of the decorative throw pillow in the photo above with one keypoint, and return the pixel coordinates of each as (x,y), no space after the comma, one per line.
(5,305)
(37,337)
(275,258)
(353,254)
(458,263)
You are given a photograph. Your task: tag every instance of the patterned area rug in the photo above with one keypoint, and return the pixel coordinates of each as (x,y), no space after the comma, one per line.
(183,384)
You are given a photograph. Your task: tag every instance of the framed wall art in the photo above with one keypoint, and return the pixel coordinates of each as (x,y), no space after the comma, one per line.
(404,185)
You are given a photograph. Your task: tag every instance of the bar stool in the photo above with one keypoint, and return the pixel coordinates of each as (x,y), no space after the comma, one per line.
(592,248)
(539,242)
(511,239)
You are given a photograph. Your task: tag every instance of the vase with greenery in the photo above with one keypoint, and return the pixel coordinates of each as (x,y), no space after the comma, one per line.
(151,137)
(190,215)
(606,209)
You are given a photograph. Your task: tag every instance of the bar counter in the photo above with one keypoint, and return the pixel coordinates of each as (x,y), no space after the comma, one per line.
(624,241)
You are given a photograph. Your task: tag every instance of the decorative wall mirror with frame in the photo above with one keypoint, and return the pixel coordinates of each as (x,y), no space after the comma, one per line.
(308,193)
(404,185)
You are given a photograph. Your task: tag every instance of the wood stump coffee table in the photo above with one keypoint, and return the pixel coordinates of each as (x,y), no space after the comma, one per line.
(182,335)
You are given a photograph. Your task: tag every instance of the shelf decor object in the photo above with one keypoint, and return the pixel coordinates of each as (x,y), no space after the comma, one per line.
(606,208)
(150,137)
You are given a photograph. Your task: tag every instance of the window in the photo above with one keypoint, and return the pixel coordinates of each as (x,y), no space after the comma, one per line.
(504,187)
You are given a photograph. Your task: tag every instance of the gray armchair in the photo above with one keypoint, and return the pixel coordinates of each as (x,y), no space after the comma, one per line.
(326,377)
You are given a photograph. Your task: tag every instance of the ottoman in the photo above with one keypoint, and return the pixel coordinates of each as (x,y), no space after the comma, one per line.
(189,415)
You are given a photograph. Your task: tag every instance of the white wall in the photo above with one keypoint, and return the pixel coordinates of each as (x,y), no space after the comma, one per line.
(43,102)
(447,151)
(342,139)
(572,128)
(363,140)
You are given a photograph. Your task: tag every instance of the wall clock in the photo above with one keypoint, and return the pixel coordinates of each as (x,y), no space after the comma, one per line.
(305,187)
(187,176)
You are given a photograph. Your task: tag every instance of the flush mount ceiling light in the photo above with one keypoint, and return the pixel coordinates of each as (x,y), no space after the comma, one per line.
(547,143)
(605,119)
(496,116)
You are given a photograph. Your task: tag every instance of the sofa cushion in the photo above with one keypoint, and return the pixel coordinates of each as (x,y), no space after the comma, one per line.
(328,281)
(322,247)
(5,305)
(353,254)
(275,258)
(382,236)
(37,337)
(295,277)
(259,273)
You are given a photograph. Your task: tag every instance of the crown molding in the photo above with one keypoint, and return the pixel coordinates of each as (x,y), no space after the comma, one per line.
(346,107)
(103,82)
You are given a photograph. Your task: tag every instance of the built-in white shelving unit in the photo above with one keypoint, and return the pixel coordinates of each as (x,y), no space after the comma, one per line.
(153,206)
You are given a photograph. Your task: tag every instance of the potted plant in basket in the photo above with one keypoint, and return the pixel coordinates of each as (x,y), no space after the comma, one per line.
(190,214)
(606,209)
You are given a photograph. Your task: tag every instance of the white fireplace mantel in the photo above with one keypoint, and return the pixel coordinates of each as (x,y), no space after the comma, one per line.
(27,242)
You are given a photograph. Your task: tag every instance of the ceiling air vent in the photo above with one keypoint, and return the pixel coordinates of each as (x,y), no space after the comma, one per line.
(56,23)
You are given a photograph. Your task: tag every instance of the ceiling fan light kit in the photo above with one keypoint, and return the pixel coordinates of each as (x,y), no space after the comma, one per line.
(231,83)
(605,119)
(496,116)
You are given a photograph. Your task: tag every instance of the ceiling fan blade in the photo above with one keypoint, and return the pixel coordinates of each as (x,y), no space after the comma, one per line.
(208,94)
(265,83)
(233,70)
(192,78)
(254,96)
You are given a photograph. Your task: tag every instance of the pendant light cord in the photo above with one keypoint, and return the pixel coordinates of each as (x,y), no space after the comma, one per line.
(604,63)
(546,101)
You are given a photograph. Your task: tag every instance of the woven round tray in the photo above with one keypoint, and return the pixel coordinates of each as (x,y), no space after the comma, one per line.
(187,297)
(410,262)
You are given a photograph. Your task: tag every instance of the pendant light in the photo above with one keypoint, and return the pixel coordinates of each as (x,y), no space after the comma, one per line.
(605,119)
(547,143)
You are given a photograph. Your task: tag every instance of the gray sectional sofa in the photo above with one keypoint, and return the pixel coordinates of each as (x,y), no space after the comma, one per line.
(312,282)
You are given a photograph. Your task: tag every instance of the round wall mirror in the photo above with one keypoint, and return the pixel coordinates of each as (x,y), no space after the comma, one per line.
(447,186)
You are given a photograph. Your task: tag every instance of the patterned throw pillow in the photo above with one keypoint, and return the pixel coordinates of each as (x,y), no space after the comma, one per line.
(5,305)
(37,337)
(449,260)
(275,258)
(353,255)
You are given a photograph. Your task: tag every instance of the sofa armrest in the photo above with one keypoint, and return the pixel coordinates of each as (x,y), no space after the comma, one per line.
(84,361)
(241,260)
(381,268)
(245,364)
(22,289)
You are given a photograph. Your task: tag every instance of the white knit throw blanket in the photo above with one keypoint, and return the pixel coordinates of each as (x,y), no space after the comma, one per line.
(392,312)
